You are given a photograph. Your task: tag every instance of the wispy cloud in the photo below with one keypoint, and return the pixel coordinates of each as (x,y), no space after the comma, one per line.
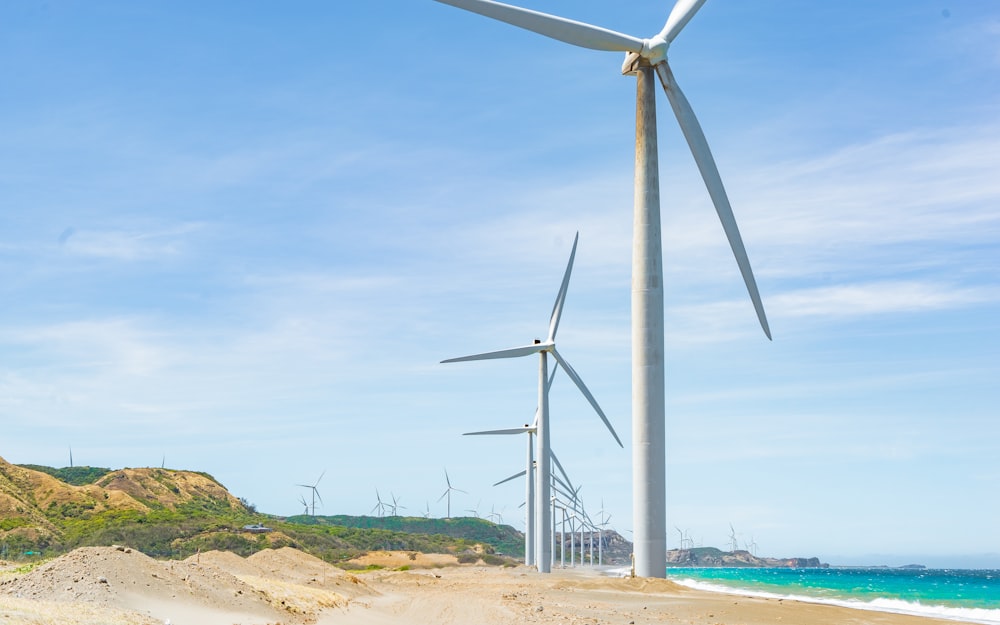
(878,298)
(129,245)
(124,346)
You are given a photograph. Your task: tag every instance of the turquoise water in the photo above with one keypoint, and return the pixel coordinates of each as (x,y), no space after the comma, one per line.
(960,594)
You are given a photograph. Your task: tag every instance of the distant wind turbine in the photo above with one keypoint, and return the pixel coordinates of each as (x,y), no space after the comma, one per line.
(496,517)
(543,553)
(448,491)
(644,59)
(315,491)
(475,511)
(395,504)
(529,496)
(379,507)
(602,526)
(529,480)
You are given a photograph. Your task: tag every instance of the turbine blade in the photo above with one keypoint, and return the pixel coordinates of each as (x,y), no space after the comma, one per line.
(569,31)
(552,376)
(492,432)
(563,484)
(561,297)
(681,14)
(444,495)
(586,393)
(713,181)
(513,477)
(560,467)
(514,352)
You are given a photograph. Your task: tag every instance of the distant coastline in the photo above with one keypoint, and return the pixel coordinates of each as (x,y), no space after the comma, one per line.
(711,557)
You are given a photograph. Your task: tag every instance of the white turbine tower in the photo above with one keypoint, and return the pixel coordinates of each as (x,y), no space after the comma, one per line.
(644,58)
(543,349)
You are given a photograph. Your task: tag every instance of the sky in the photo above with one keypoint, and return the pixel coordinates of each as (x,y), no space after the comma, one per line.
(240,237)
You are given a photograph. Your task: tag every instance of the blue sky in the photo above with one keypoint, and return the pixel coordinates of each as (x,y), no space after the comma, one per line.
(242,237)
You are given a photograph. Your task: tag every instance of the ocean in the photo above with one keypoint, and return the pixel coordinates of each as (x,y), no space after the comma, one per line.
(958,594)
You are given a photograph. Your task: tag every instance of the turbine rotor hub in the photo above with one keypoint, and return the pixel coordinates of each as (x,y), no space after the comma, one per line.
(654,52)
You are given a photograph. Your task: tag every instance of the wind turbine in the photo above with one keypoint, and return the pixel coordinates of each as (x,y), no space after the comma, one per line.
(302,500)
(603,525)
(544,348)
(315,491)
(529,496)
(447,492)
(395,504)
(529,481)
(475,511)
(496,517)
(644,58)
(379,507)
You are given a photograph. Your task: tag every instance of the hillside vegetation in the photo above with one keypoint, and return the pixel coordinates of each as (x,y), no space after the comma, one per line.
(174,514)
(503,538)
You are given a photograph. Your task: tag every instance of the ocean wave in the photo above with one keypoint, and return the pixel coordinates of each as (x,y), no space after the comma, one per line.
(897,606)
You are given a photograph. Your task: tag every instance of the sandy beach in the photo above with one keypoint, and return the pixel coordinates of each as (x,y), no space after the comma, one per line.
(119,586)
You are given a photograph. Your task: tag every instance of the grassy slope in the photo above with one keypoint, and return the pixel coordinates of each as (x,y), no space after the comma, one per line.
(168,513)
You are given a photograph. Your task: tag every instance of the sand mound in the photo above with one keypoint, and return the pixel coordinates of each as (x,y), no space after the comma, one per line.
(283,586)
(410,559)
(226,561)
(125,579)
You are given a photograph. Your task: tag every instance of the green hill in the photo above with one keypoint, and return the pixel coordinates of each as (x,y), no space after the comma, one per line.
(173,514)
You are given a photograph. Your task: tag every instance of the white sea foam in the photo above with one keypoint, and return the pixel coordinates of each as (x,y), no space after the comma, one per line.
(896,606)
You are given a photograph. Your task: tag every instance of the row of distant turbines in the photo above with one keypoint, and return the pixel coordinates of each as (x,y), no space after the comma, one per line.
(565,500)
(646,59)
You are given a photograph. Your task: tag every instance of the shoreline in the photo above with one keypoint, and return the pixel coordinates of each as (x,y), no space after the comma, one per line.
(981,616)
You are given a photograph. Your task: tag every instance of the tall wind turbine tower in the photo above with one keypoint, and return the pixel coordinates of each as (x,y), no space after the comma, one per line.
(646,59)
